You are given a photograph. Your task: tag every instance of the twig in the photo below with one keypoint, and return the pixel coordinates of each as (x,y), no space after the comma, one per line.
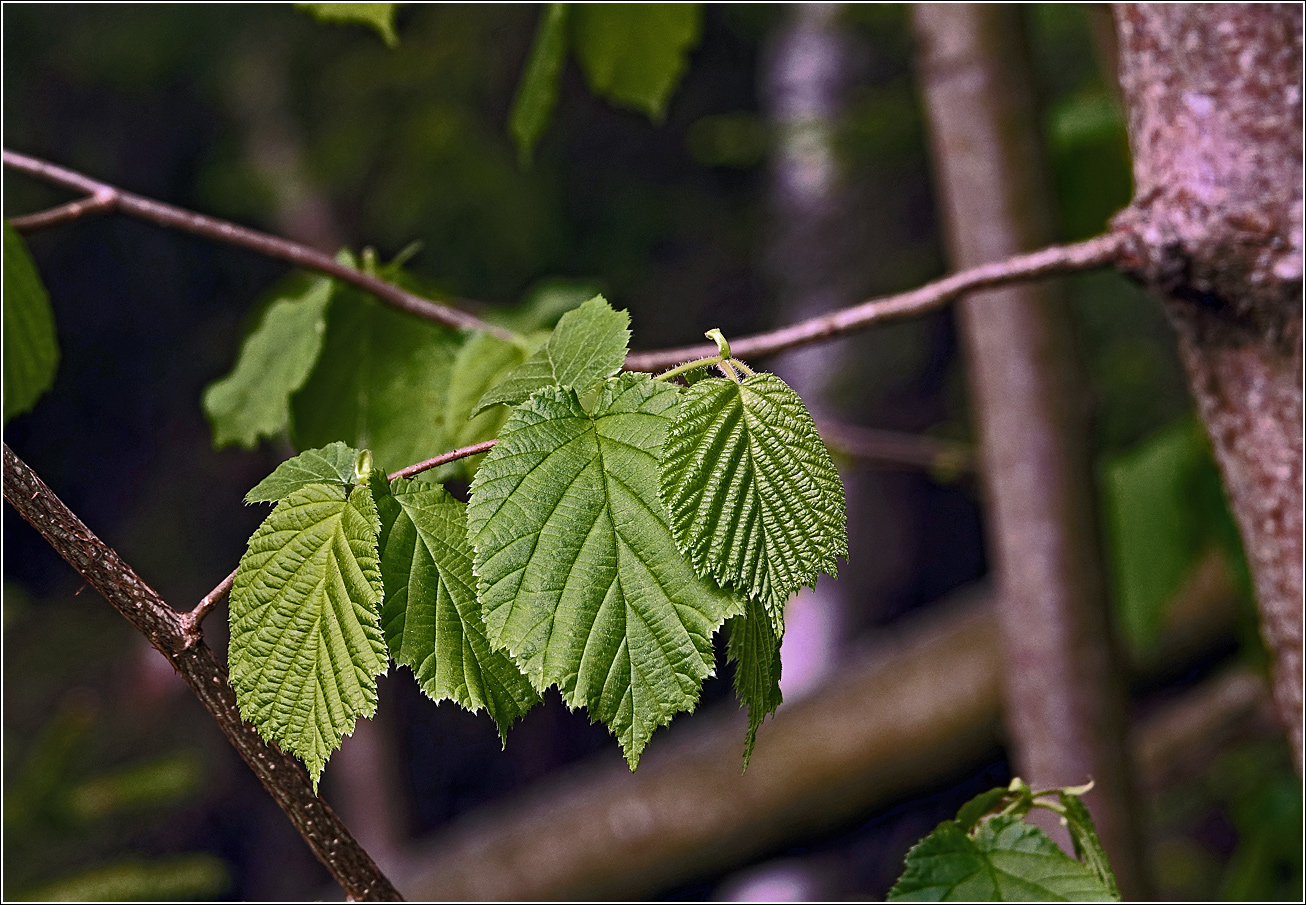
(441,459)
(897,448)
(1054,260)
(191,621)
(97,203)
(109,198)
(164,628)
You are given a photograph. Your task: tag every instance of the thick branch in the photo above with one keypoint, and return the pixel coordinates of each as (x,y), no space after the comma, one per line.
(1056,260)
(1064,700)
(164,628)
(109,198)
(1213,94)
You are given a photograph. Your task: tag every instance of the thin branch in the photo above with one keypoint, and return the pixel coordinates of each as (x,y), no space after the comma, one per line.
(442,459)
(216,230)
(96,203)
(165,628)
(897,447)
(191,621)
(1054,260)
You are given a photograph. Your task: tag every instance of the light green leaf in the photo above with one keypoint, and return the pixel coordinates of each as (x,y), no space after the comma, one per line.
(170,878)
(432,621)
(1154,524)
(306,643)
(31,352)
(538,91)
(482,362)
(253,401)
(633,54)
(379,384)
(332,464)
(588,345)
(755,650)
(578,575)
(754,498)
(544,304)
(1004,860)
(1088,847)
(378,16)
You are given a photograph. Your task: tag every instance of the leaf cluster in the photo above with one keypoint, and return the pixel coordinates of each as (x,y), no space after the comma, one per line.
(619,521)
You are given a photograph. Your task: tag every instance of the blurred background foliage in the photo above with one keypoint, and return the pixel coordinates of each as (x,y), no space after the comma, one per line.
(117,786)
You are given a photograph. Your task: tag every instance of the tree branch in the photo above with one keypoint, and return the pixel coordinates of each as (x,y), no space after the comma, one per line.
(896,447)
(97,203)
(1056,260)
(109,198)
(167,630)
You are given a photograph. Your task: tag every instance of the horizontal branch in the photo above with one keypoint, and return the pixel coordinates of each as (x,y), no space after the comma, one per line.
(1055,260)
(166,629)
(443,459)
(106,198)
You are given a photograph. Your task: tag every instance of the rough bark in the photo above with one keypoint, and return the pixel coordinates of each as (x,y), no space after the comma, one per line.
(1063,695)
(1213,94)
(165,629)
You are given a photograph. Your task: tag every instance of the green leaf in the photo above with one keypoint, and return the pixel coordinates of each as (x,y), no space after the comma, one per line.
(432,621)
(1088,847)
(1154,524)
(633,54)
(253,401)
(482,362)
(306,643)
(173,878)
(970,813)
(31,352)
(332,464)
(754,498)
(378,16)
(538,91)
(379,384)
(588,345)
(578,575)
(754,647)
(1004,860)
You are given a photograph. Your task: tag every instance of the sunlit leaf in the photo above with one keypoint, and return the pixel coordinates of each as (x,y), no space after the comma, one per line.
(588,345)
(577,572)
(377,16)
(306,643)
(634,54)
(332,464)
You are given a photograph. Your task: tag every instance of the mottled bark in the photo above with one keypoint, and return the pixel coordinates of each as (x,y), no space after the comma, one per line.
(166,629)
(1213,94)
(1063,694)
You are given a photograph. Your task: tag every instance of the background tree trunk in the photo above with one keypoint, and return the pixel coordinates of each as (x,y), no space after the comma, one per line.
(1213,94)
(1064,699)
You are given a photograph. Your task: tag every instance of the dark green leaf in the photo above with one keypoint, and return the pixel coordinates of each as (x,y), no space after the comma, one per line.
(482,362)
(31,351)
(432,621)
(332,464)
(588,345)
(1005,860)
(253,401)
(306,643)
(970,813)
(755,650)
(577,572)
(634,54)
(380,383)
(538,91)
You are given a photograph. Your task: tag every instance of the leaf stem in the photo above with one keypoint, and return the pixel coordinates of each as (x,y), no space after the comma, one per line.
(689,366)
(106,198)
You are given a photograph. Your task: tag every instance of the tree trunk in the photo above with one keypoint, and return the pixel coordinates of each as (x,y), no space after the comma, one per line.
(1064,698)
(1213,94)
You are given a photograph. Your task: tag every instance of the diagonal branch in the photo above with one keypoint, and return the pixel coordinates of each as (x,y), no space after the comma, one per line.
(1055,260)
(108,198)
(164,628)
